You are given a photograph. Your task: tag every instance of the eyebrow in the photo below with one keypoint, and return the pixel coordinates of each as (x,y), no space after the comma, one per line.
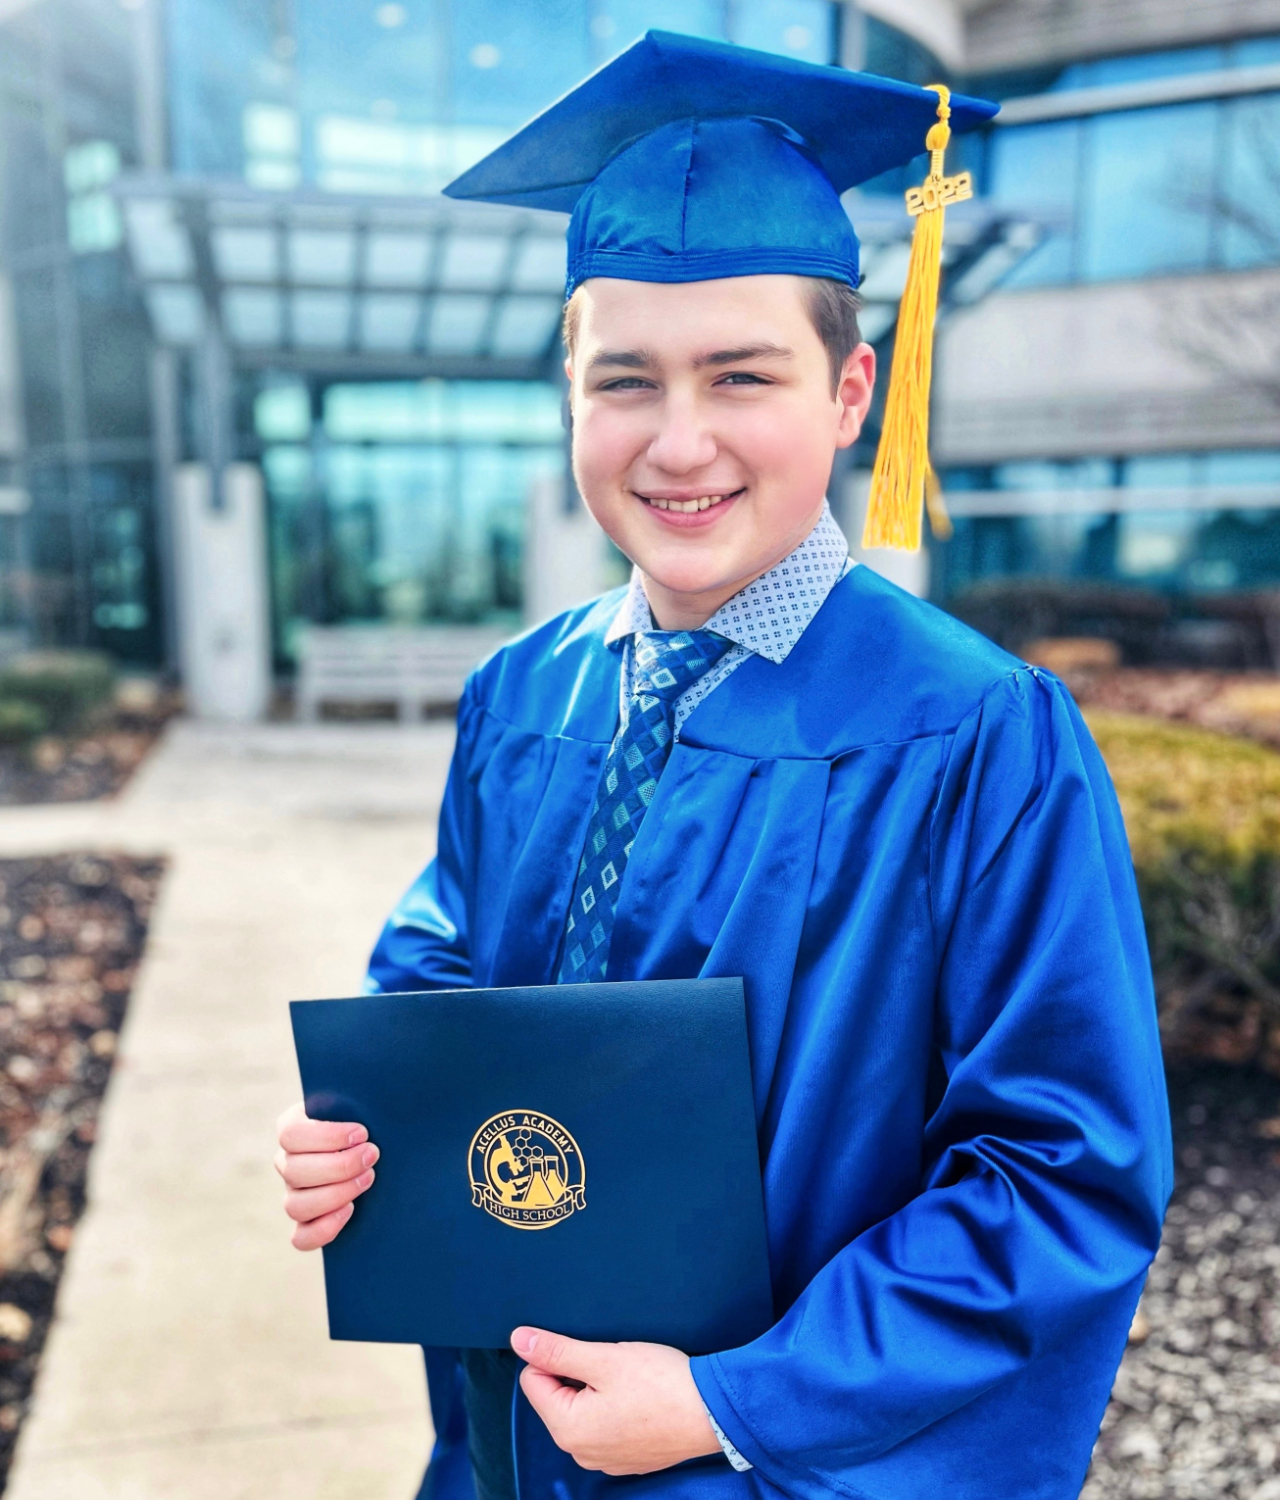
(742,354)
(643,359)
(627,359)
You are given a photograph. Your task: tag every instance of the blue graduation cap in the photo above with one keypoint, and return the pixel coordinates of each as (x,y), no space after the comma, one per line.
(689,160)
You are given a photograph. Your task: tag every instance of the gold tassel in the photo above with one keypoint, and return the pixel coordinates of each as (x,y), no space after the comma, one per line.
(936,506)
(903,476)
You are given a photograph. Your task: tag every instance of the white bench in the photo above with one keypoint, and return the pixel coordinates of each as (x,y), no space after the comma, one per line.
(414,668)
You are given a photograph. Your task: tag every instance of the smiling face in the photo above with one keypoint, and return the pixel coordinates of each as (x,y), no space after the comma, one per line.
(704,428)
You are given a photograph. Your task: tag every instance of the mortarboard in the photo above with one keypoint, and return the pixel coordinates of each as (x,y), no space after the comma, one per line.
(691,160)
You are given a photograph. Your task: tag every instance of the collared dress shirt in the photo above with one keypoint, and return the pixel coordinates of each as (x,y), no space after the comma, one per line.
(766,618)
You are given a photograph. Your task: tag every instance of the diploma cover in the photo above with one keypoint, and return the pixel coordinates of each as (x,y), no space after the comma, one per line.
(578,1157)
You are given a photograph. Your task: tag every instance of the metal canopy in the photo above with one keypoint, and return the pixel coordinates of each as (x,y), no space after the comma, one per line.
(347,285)
(358,286)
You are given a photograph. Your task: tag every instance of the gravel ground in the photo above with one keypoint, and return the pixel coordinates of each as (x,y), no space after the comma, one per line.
(72,930)
(1195,1412)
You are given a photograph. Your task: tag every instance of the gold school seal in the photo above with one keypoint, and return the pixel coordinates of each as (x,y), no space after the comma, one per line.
(526,1170)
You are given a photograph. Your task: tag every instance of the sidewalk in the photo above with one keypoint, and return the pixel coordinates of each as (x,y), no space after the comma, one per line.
(189,1359)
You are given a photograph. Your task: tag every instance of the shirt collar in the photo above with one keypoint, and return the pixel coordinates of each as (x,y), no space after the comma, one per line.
(770,615)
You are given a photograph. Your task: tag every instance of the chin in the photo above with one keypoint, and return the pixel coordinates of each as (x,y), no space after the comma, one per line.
(686,577)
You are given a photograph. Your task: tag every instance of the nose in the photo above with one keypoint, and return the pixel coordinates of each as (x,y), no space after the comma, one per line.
(682,443)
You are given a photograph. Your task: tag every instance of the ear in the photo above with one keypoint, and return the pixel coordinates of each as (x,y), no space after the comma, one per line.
(567,408)
(853,394)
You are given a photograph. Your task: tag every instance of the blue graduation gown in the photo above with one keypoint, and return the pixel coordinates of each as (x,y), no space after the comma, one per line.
(907,844)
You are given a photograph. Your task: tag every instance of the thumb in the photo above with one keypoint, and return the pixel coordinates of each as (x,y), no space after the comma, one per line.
(570,1359)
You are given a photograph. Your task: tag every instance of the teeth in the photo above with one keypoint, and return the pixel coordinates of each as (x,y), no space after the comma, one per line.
(703,502)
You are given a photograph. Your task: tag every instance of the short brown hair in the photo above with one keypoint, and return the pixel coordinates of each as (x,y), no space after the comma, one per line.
(832,307)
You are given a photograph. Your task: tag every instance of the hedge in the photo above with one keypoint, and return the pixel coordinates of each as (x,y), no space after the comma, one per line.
(65,686)
(20,721)
(1202,812)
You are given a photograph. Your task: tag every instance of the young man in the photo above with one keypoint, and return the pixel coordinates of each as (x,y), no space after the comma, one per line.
(760,761)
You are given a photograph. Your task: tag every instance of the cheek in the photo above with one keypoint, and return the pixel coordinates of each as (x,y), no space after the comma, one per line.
(780,442)
(605,445)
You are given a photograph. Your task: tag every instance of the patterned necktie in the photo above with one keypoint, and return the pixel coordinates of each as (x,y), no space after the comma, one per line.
(666,663)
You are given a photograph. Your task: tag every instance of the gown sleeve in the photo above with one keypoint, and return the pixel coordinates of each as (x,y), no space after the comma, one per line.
(424,944)
(1014,1272)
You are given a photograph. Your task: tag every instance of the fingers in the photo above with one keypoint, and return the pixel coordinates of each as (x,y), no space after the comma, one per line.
(298,1133)
(325,1167)
(318,1169)
(571,1359)
(553,1402)
(305,1204)
(318,1232)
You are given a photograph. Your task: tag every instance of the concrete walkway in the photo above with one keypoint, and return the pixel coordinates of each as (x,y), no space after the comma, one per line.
(189,1359)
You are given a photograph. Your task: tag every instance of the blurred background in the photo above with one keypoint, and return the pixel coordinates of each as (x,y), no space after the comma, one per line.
(238,324)
(283,454)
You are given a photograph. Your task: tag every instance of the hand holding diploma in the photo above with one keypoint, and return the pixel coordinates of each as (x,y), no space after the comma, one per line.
(620,1408)
(325,1167)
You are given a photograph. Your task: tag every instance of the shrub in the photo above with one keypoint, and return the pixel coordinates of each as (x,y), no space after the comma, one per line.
(1015,611)
(66,686)
(1203,816)
(20,721)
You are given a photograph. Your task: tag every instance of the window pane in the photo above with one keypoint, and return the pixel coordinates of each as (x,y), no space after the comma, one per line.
(1162,471)
(1259,467)
(795,28)
(1034,170)
(349,60)
(510,61)
(1148,177)
(220,62)
(1249,197)
(618,23)
(1255,52)
(1152,546)
(1114,70)
(443,411)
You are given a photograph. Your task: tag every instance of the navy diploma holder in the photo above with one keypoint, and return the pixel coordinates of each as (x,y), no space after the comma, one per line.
(577,1157)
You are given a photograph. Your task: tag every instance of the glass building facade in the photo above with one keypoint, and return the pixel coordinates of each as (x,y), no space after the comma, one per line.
(1186,523)
(391,497)
(1154,165)
(1189,186)
(78,529)
(394,500)
(388,498)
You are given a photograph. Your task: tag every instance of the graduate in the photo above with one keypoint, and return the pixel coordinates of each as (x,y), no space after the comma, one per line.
(761,760)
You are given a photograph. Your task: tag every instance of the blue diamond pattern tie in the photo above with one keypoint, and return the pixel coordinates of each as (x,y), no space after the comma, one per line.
(666,663)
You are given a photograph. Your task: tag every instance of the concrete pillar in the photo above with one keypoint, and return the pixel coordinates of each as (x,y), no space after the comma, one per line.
(909,570)
(566,556)
(224,630)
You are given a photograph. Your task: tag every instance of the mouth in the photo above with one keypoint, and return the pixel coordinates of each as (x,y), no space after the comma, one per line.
(685,508)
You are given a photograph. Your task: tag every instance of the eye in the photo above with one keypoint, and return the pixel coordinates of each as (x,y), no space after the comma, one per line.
(627,383)
(743,377)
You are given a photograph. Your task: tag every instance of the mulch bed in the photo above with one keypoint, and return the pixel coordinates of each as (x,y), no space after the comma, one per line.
(1238,703)
(72,930)
(1195,1412)
(95,763)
